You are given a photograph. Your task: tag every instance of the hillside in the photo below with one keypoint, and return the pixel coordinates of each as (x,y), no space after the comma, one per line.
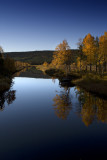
(36,57)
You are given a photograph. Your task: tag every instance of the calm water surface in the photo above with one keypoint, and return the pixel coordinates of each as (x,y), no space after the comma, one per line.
(39,119)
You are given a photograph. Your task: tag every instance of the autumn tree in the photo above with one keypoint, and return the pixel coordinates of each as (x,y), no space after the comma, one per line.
(45,64)
(89,49)
(96,54)
(9,65)
(103,50)
(1,50)
(80,57)
(1,60)
(62,56)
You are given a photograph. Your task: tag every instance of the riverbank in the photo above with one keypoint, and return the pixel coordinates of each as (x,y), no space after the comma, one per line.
(6,81)
(31,72)
(94,84)
(91,82)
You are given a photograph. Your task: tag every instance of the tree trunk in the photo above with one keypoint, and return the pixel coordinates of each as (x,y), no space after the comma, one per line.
(96,68)
(99,67)
(104,66)
(66,71)
(90,67)
(86,68)
(80,65)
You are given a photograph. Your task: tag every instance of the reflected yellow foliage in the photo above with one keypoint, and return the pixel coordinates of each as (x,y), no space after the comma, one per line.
(102,110)
(17,74)
(90,108)
(93,108)
(62,104)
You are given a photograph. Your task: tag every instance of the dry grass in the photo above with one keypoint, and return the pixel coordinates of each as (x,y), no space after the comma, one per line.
(94,84)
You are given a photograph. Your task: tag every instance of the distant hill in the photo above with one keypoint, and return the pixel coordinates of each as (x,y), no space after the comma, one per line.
(37,57)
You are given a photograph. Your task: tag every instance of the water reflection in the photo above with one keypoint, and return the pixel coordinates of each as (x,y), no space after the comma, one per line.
(31,72)
(62,103)
(17,74)
(7,96)
(93,108)
(89,107)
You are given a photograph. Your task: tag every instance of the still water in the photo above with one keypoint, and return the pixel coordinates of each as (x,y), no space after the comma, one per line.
(40,119)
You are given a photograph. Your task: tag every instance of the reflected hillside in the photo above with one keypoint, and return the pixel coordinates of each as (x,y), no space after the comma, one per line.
(31,72)
(7,96)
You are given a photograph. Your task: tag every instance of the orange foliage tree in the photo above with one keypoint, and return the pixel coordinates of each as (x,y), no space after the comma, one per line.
(103,50)
(89,48)
(62,56)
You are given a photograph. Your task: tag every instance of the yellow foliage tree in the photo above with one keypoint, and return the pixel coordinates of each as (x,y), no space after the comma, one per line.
(62,56)
(80,57)
(45,64)
(103,49)
(89,49)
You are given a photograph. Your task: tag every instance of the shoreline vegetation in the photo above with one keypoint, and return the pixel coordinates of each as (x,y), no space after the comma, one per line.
(85,67)
(90,68)
(91,82)
(8,66)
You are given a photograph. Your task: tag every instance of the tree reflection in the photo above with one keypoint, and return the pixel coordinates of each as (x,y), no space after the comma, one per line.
(62,103)
(89,107)
(102,110)
(7,96)
(17,74)
(93,108)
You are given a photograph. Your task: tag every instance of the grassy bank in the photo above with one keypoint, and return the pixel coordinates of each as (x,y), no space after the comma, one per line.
(57,73)
(93,83)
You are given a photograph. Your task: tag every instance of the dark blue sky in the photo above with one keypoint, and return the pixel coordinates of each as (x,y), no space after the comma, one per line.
(42,24)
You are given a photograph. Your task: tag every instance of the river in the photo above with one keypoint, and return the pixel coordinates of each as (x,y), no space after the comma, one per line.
(40,119)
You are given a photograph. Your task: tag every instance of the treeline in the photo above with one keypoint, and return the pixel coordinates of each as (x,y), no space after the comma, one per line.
(7,65)
(93,51)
